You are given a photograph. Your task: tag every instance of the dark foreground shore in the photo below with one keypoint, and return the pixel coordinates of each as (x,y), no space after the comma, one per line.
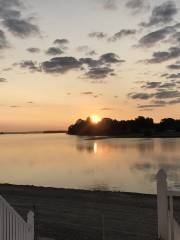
(77,214)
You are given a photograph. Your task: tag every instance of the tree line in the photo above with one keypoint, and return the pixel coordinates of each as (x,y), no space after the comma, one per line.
(139,126)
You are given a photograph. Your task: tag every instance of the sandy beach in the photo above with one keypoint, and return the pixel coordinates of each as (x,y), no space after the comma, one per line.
(78,214)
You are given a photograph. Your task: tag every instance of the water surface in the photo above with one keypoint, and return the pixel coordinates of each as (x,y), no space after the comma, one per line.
(59,160)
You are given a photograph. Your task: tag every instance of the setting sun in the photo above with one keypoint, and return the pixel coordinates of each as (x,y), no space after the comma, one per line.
(95,119)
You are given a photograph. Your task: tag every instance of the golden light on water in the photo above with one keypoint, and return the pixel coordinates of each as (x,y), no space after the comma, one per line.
(95,119)
(95,147)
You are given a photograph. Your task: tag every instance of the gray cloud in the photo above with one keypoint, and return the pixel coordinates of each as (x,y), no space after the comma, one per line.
(137,5)
(174,66)
(99,72)
(162,14)
(2,80)
(150,106)
(29,64)
(33,50)
(141,96)
(106,109)
(107,58)
(62,41)
(152,38)
(177,75)
(54,51)
(60,65)
(97,35)
(92,68)
(90,62)
(14,106)
(83,48)
(3,41)
(151,85)
(110,4)
(21,27)
(91,53)
(159,57)
(175,101)
(110,58)
(87,93)
(159,85)
(164,94)
(121,34)
(11,18)
(87,50)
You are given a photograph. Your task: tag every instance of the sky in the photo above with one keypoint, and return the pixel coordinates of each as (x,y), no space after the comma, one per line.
(62,60)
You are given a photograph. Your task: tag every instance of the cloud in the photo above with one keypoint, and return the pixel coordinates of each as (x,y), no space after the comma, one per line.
(90,62)
(174,66)
(91,53)
(101,67)
(164,94)
(3,41)
(33,50)
(151,85)
(2,80)
(162,14)
(106,109)
(150,106)
(11,18)
(141,96)
(29,64)
(121,34)
(87,93)
(159,57)
(110,58)
(14,106)
(62,41)
(175,101)
(177,75)
(152,38)
(83,48)
(60,65)
(110,4)
(137,5)
(21,27)
(87,50)
(99,72)
(54,51)
(97,35)
(107,58)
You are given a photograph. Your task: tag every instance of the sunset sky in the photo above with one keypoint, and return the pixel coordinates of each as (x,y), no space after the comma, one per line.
(67,59)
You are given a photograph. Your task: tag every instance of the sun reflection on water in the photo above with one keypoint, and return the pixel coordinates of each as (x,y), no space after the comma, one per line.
(95,147)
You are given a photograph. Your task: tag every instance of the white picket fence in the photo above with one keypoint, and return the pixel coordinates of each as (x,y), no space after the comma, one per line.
(12,225)
(168,228)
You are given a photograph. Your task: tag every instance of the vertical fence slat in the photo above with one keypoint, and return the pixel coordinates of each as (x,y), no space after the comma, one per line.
(162,205)
(1,220)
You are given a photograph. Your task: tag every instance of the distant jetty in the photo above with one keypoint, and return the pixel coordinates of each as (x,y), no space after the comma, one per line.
(138,127)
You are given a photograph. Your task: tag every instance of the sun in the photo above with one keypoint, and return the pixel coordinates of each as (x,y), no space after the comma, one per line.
(95,119)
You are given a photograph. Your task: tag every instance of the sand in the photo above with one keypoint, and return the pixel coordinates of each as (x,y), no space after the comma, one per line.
(78,214)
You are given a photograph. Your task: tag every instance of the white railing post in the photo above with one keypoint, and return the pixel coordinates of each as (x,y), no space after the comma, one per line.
(30,220)
(162,205)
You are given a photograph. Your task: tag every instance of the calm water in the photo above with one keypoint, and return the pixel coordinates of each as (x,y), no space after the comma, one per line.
(60,160)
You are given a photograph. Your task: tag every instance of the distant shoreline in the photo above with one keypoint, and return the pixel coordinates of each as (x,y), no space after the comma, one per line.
(34,132)
(91,137)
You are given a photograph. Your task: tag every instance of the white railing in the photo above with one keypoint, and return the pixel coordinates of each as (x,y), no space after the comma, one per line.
(12,225)
(168,228)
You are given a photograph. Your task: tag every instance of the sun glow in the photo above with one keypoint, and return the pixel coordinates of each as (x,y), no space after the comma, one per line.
(95,119)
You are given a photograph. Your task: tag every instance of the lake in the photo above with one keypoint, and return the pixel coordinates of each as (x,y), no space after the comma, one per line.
(60,160)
